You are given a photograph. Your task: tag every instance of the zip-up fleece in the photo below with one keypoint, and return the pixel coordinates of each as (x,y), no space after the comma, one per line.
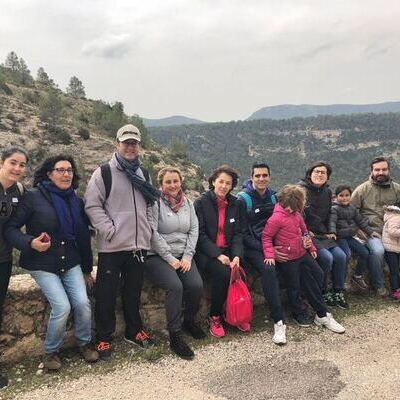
(391,229)
(285,229)
(174,234)
(371,198)
(8,203)
(122,221)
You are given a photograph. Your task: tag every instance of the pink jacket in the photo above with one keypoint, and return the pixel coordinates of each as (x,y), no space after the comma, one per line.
(391,229)
(285,229)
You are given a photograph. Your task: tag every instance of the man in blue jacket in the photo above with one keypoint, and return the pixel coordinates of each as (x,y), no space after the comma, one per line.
(257,204)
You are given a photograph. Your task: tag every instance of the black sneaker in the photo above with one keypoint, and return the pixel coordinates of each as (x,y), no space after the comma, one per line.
(104,349)
(3,381)
(193,329)
(329,299)
(302,320)
(141,339)
(178,345)
(340,300)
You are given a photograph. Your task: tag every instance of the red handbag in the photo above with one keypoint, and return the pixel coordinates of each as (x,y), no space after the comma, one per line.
(238,305)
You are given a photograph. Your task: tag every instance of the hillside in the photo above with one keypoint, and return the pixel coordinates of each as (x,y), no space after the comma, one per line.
(45,120)
(349,143)
(286,111)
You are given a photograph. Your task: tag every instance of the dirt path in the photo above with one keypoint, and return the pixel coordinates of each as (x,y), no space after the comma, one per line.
(361,364)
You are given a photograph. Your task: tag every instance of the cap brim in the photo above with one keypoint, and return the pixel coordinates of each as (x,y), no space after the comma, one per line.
(127,136)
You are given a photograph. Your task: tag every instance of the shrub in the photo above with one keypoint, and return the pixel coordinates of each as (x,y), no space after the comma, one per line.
(58,134)
(84,133)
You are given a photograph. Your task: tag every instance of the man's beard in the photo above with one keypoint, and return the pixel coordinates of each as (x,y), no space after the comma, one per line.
(381,178)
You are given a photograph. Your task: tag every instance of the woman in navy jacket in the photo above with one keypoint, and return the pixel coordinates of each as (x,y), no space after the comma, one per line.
(56,250)
(220,240)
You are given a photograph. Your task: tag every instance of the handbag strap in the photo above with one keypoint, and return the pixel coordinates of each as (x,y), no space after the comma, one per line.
(237,273)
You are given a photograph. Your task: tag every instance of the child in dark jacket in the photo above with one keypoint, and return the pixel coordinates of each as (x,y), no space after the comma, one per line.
(301,272)
(345,222)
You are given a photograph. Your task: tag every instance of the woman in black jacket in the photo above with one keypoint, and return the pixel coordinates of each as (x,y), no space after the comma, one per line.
(220,239)
(331,257)
(55,250)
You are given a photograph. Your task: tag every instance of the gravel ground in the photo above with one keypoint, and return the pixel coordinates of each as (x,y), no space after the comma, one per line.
(315,364)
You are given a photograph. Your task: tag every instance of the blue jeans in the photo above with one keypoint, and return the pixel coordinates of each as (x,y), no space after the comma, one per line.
(376,262)
(63,292)
(333,260)
(366,259)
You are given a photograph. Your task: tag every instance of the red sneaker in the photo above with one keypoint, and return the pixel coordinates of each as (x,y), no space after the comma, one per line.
(245,327)
(216,328)
(396,294)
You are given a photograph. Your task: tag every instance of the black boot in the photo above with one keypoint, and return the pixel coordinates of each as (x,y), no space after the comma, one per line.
(179,346)
(193,329)
(3,381)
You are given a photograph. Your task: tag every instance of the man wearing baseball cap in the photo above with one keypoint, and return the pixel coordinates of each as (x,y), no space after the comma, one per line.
(119,208)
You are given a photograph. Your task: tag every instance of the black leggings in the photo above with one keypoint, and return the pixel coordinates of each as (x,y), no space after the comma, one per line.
(5,273)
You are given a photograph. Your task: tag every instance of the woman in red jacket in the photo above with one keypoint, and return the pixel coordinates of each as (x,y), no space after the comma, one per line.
(286,228)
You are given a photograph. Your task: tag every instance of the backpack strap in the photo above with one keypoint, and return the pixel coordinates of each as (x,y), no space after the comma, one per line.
(21,188)
(247,199)
(146,174)
(106,175)
(274,199)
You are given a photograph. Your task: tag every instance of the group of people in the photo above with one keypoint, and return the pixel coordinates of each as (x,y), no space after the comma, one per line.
(300,239)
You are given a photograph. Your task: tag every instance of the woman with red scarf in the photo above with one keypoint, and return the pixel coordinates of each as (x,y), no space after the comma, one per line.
(220,240)
(170,263)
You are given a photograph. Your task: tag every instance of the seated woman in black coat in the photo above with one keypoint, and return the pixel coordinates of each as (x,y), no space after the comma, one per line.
(220,240)
(56,250)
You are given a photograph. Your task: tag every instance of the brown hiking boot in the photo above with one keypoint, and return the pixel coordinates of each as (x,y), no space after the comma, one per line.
(88,353)
(52,361)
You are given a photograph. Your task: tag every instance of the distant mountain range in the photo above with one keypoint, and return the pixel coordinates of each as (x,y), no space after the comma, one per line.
(174,120)
(287,111)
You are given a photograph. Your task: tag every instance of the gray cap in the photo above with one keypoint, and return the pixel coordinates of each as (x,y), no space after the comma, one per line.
(128,132)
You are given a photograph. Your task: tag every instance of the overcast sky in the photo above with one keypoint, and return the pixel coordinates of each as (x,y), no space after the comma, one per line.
(211,60)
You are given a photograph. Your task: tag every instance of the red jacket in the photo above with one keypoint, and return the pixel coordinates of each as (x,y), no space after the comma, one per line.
(285,229)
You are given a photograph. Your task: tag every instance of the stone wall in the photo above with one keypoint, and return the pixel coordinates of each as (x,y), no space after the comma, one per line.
(26,313)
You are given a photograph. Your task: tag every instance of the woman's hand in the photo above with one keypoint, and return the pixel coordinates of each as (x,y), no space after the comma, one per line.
(236,261)
(175,264)
(314,254)
(185,265)
(269,261)
(39,245)
(89,280)
(224,259)
(331,236)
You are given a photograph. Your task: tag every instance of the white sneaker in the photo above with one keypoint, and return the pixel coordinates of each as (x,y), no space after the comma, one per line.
(279,333)
(329,322)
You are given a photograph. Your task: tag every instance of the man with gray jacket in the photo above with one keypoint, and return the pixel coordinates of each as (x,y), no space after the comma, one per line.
(118,201)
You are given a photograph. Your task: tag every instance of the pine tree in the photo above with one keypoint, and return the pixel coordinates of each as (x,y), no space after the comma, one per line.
(12,61)
(76,88)
(25,77)
(43,78)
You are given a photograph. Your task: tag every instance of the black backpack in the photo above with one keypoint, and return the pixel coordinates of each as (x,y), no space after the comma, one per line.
(107,179)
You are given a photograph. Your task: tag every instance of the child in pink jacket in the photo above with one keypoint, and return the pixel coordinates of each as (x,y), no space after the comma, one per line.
(301,273)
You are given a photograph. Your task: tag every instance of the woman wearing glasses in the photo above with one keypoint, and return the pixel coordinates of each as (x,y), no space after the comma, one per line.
(331,257)
(56,251)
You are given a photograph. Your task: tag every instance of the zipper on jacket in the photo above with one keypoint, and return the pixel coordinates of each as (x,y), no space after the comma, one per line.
(136,218)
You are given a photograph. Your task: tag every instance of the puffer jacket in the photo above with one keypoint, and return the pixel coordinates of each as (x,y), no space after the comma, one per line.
(345,221)
(391,229)
(285,229)
(371,198)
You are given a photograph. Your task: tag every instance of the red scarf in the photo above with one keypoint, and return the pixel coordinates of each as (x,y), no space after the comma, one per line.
(174,202)
(222,204)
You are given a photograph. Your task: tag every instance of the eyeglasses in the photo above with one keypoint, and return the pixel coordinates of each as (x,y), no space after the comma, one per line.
(319,172)
(62,171)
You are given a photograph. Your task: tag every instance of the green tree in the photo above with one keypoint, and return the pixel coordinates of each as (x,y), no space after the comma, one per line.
(75,88)
(12,61)
(178,148)
(25,77)
(43,78)
(51,107)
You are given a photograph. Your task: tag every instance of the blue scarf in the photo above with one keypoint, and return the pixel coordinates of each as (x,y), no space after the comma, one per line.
(67,208)
(149,192)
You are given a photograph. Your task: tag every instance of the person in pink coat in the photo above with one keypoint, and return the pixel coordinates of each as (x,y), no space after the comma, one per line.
(301,273)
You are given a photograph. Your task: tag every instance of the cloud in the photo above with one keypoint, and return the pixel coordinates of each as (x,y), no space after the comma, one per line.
(109,46)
